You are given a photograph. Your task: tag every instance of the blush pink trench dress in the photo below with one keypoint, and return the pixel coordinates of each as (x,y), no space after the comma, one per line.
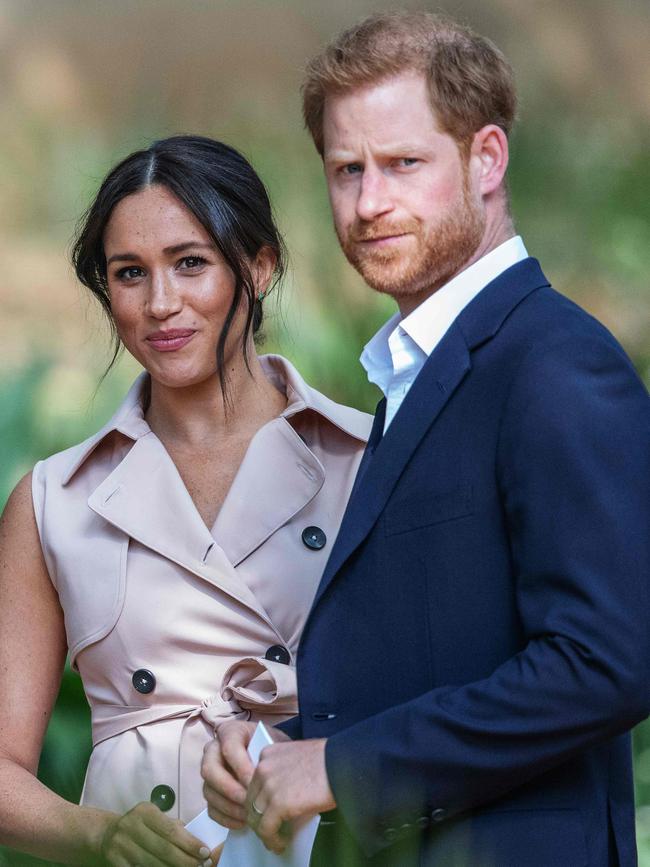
(175,628)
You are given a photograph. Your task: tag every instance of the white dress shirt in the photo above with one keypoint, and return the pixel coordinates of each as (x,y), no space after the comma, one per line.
(397,353)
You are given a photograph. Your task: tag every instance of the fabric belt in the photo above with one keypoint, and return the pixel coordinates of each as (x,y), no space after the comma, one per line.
(252,686)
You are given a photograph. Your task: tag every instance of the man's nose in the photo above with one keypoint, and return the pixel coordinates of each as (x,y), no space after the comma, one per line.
(163,299)
(374,195)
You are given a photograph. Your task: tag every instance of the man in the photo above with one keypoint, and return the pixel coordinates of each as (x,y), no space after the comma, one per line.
(479,642)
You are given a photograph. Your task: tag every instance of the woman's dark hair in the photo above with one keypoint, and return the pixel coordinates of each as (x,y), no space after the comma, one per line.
(221,189)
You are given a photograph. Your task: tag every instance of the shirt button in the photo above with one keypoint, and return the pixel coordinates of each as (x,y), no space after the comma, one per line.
(423,822)
(314,538)
(143,680)
(390,834)
(163,797)
(278,653)
(438,815)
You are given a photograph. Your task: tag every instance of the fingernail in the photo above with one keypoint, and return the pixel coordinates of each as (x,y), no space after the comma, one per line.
(204,852)
(207,863)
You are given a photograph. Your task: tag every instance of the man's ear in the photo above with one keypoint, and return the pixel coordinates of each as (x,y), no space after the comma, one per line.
(489,158)
(262,270)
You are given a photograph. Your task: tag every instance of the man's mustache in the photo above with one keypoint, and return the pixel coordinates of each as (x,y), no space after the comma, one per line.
(380,229)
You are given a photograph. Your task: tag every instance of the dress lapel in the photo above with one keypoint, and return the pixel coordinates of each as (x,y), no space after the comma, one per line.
(277,478)
(145,497)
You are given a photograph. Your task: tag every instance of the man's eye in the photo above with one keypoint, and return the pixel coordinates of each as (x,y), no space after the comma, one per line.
(407,161)
(190,262)
(351,169)
(132,272)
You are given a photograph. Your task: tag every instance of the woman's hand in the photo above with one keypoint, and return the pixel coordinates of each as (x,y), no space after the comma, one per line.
(146,837)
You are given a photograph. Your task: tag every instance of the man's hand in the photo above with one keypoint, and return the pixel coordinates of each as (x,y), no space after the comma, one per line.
(289,782)
(227,772)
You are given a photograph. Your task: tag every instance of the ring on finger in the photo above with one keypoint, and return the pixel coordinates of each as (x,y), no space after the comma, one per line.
(256,810)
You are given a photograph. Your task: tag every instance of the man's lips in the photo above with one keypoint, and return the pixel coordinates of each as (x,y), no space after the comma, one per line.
(382,239)
(168,341)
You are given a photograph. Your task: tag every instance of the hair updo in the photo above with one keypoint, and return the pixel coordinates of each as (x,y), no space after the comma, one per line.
(221,189)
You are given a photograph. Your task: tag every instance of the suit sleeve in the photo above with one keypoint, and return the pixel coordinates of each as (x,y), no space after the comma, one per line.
(573,468)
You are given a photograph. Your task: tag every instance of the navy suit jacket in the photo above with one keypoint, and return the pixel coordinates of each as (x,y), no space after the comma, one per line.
(479,643)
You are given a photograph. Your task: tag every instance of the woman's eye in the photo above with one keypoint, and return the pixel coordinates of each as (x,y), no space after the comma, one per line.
(191,262)
(131,272)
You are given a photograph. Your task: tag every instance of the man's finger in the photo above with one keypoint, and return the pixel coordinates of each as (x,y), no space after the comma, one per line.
(234,741)
(225,811)
(274,833)
(222,783)
(218,775)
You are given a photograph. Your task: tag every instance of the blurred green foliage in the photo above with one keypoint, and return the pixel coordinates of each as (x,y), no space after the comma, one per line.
(83,88)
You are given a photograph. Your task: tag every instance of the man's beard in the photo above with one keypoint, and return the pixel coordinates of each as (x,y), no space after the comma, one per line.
(423,262)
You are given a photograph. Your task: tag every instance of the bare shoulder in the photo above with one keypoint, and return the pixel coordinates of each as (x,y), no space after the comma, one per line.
(32,634)
(22,565)
(18,524)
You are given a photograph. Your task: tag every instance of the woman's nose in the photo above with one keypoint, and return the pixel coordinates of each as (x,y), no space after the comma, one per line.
(163,299)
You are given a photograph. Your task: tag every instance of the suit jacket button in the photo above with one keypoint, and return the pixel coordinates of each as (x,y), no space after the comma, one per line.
(390,834)
(438,815)
(404,829)
(278,653)
(314,538)
(163,797)
(423,822)
(143,680)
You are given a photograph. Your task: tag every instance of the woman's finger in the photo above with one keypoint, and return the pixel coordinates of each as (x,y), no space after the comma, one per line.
(175,834)
(215,855)
(146,837)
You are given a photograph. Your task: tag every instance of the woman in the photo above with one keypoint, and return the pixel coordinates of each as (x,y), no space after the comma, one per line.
(175,553)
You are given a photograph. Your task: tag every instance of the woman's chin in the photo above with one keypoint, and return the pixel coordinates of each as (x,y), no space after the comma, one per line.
(180,378)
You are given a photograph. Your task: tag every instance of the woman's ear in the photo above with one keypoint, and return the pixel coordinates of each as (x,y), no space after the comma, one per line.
(262,271)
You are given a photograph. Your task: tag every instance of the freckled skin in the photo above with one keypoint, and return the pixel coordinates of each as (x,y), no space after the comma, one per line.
(161,291)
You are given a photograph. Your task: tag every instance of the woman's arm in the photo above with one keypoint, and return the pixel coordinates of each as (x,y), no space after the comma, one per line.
(32,654)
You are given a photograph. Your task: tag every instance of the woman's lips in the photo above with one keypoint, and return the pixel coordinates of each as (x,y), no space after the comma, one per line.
(169,341)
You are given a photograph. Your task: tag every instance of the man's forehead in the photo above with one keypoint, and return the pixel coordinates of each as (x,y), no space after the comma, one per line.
(400,102)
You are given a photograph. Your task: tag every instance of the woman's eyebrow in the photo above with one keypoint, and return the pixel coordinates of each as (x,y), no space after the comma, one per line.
(122,257)
(186,245)
(175,248)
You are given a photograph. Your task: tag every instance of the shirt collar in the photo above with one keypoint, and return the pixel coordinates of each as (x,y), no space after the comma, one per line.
(427,324)
(129,417)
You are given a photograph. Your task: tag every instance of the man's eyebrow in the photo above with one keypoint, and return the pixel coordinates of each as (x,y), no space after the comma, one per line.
(175,248)
(398,148)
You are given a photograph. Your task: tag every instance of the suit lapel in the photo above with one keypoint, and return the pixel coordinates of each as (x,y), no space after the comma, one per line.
(441,375)
(375,438)
(439,378)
